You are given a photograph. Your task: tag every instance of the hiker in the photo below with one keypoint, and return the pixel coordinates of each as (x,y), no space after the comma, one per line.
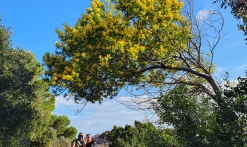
(79,142)
(90,142)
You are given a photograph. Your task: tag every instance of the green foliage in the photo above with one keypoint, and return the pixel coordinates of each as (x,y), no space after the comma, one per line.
(192,117)
(142,135)
(231,114)
(26,103)
(200,121)
(4,36)
(23,96)
(60,124)
(46,140)
(70,133)
(57,134)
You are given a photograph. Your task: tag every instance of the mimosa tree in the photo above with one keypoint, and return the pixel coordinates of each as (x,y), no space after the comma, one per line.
(147,44)
(154,47)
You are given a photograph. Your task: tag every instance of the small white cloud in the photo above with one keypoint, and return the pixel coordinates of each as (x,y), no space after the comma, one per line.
(204,14)
(89,123)
(220,69)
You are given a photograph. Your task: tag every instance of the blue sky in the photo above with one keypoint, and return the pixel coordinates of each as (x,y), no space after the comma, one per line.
(34,23)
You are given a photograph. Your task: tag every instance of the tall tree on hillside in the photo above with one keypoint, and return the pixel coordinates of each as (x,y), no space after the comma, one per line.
(26,103)
(57,134)
(200,122)
(24,97)
(192,117)
(60,124)
(148,45)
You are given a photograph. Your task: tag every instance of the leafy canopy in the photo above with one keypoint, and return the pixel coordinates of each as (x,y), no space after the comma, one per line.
(118,43)
(26,103)
(24,96)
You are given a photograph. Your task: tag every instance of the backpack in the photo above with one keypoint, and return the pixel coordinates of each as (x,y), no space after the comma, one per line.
(77,143)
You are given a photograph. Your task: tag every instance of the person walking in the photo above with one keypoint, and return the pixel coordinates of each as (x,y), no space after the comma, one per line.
(90,142)
(79,142)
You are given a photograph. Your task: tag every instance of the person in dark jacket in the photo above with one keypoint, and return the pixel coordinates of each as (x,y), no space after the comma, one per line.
(90,142)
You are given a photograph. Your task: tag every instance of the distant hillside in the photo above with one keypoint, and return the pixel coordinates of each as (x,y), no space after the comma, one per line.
(101,139)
